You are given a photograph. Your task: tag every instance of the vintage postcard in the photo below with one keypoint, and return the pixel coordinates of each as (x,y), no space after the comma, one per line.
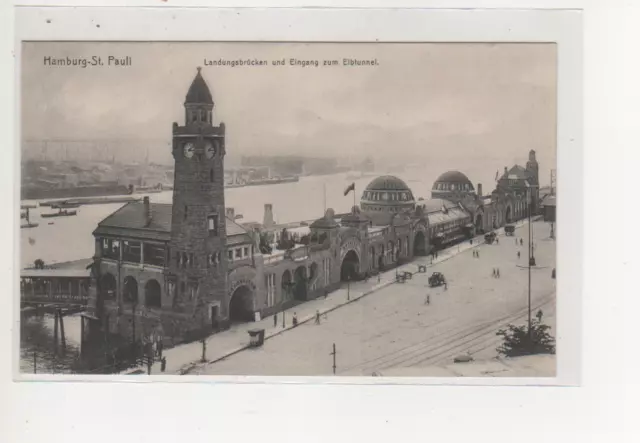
(288,209)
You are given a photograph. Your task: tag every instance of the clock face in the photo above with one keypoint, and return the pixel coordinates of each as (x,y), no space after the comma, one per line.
(209,149)
(189,150)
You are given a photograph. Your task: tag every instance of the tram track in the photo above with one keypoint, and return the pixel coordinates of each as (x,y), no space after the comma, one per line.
(427,347)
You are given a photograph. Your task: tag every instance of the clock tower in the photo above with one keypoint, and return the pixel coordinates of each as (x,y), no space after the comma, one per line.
(197,271)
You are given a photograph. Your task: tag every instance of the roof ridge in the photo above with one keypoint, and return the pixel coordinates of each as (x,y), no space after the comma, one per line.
(117,211)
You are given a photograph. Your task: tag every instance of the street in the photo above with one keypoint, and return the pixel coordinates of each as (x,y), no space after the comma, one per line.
(395,327)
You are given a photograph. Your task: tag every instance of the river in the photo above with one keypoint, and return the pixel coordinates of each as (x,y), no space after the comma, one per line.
(70,238)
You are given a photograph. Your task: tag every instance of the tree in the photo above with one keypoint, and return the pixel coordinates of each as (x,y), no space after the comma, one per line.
(38,263)
(517,341)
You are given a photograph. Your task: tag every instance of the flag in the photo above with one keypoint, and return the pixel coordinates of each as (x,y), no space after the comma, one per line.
(351,187)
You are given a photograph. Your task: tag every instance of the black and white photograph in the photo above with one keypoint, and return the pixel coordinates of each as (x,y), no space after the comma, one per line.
(288,209)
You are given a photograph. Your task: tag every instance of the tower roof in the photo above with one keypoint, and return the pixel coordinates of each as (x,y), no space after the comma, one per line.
(199,91)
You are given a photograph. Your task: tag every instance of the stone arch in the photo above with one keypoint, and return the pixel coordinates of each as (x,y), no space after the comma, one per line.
(350,265)
(419,243)
(152,294)
(478,223)
(287,284)
(108,286)
(130,292)
(300,283)
(241,304)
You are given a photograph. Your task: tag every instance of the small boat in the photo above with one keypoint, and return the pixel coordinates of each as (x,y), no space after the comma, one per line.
(29,225)
(65,205)
(60,213)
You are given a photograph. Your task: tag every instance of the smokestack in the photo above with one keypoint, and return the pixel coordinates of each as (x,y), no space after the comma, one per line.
(231,213)
(267,221)
(505,170)
(480,189)
(147,210)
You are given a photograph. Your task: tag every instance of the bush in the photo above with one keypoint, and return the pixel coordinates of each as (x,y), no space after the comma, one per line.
(516,340)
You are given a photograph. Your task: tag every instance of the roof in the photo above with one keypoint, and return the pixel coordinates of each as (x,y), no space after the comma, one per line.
(436,204)
(387,183)
(60,273)
(132,217)
(516,172)
(324,223)
(453,177)
(199,91)
(130,221)
(549,200)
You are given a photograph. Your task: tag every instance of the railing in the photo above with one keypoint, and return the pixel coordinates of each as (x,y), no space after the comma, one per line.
(55,298)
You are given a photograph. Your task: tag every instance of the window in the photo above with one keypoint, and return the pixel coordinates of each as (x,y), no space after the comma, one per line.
(193,290)
(111,248)
(212,224)
(230,254)
(245,251)
(154,254)
(132,251)
(238,253)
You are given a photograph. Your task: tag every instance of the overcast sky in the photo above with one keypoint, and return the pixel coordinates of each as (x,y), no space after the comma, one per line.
(479,100)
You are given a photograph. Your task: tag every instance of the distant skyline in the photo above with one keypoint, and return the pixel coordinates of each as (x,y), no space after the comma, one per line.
(422,100)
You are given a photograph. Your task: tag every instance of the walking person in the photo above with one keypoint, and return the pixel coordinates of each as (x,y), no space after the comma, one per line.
(317,317)
(497,241)
(427,300)
(498,272)
(521,243)
(493,273)
(163,364)
(378,277)
(518,254)
(275,318)
(295,319)
(160,347)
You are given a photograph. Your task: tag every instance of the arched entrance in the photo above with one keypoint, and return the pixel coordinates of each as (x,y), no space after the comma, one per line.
(130,293)
(478,223)
(108,287)
(419,244)
(241,305)
(287,284)
(349,267)
(508,214)
(152,294)
(300,283)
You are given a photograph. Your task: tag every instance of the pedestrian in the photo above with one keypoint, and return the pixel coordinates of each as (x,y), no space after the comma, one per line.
(498,272)
(160,347)
(497,241)
(295,319)
(326,293)
(493,273)
(427,300)
(366,277)
(516,240)
(163,364)
(445,285)
(539,315)
(275,317)
(471,241)
(521,243)
(518,254)
(317,317)
(378,277)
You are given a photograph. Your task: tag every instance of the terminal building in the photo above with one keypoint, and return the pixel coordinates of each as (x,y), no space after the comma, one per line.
(184,269)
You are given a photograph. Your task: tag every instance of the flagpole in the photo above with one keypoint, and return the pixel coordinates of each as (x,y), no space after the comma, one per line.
(354,195)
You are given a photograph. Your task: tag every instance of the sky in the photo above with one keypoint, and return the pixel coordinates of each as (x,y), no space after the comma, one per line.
(422,100)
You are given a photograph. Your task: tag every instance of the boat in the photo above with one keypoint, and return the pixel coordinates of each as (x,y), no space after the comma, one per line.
(60,213)
(65,205)
(71,203)
(29,225)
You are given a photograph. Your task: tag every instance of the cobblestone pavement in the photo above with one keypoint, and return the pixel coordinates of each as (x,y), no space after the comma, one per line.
(393,327)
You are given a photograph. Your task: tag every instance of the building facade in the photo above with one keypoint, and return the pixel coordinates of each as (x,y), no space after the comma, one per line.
(187,268)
